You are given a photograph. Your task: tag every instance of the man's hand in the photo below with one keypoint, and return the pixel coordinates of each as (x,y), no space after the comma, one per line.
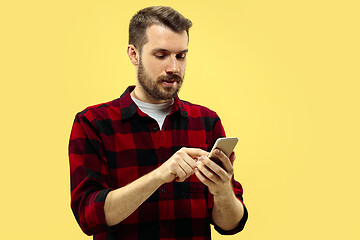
(180,166)
(218,179)
(122,202)
(228,210)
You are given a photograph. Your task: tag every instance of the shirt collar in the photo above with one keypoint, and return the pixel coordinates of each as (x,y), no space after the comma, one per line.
(128,108)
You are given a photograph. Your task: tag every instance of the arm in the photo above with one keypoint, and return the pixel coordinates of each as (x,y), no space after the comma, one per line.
(94,203)
(89,176)
(228,210)
(122,202)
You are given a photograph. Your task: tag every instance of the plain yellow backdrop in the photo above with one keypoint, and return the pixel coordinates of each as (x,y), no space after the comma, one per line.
(282,75)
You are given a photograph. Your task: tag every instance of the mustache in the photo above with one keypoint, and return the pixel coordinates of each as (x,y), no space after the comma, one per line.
(170,76)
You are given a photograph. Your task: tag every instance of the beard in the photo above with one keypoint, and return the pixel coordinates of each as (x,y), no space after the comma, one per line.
(154,88)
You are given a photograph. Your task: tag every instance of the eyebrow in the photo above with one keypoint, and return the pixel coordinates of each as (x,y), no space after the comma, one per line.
(165,50)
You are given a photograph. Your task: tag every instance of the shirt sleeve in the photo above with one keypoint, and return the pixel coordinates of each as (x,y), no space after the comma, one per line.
(89,176)
(238,190)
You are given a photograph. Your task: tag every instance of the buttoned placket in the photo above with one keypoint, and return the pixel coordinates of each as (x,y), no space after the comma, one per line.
(162,143)
(165,191)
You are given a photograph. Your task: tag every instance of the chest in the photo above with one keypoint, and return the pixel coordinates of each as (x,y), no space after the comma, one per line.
(138,146)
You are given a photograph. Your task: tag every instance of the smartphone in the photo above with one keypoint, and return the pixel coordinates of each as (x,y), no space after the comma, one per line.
(226,145)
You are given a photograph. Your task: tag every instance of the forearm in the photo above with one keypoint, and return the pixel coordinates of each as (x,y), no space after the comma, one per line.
(227,211)
(122,202)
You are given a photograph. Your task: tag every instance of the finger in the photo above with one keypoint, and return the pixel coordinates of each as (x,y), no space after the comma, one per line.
(209,174)
(204,179)
(214,167)
(179,173)
(189,161)
(232,157)
(225,161)
(195,152)
(188,169)
(184,165)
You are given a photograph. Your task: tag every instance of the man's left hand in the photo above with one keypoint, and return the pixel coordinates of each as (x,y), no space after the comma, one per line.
(218,179)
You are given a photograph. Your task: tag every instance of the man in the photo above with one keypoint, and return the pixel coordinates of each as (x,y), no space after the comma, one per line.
(139,164)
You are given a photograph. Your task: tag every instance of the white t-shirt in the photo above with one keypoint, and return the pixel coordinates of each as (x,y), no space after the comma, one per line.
(155,111)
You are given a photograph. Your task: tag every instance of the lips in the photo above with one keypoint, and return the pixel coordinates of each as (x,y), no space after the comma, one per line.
(170,78)
(169,83)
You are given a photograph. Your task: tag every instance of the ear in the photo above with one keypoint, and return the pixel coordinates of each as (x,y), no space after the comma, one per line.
(133,54)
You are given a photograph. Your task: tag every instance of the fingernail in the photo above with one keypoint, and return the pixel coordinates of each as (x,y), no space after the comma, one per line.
(217,152)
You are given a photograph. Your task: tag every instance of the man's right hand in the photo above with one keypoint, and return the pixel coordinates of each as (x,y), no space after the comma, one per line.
(180,166)
(122,202)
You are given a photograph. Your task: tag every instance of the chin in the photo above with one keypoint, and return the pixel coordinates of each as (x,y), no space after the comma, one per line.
(170,92)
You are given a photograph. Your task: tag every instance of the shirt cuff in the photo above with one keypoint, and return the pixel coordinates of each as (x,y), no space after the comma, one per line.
(239,227)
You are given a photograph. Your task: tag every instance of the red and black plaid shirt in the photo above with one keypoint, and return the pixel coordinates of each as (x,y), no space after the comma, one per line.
(114,143)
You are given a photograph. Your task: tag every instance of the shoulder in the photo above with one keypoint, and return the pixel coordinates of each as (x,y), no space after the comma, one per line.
(199,115)
(196,110)
(101,111)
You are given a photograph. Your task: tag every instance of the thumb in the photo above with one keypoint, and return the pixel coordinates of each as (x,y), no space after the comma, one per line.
(232,157)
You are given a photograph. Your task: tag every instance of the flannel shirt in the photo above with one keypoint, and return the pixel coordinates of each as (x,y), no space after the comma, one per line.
(115,143)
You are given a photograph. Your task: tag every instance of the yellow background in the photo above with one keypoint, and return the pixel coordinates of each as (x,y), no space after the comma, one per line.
(282,75)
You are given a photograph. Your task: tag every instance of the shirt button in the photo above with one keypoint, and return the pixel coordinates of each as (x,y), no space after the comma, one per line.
(163,190)
(154,129)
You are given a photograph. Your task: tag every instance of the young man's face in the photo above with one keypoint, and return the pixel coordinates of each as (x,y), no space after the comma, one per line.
(162,64)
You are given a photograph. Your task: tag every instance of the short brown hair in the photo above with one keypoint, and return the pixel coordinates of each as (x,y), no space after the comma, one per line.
(160,15)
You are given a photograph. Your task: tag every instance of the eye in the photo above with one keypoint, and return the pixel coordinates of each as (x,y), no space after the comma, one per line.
(181,56)
(160,56)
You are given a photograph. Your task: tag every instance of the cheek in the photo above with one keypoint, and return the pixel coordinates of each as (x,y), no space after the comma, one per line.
(154,68)
(183,66)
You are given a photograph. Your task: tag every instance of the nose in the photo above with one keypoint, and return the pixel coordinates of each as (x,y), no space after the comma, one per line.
(173,65)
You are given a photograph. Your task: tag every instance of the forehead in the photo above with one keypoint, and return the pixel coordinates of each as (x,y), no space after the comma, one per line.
(160,37)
